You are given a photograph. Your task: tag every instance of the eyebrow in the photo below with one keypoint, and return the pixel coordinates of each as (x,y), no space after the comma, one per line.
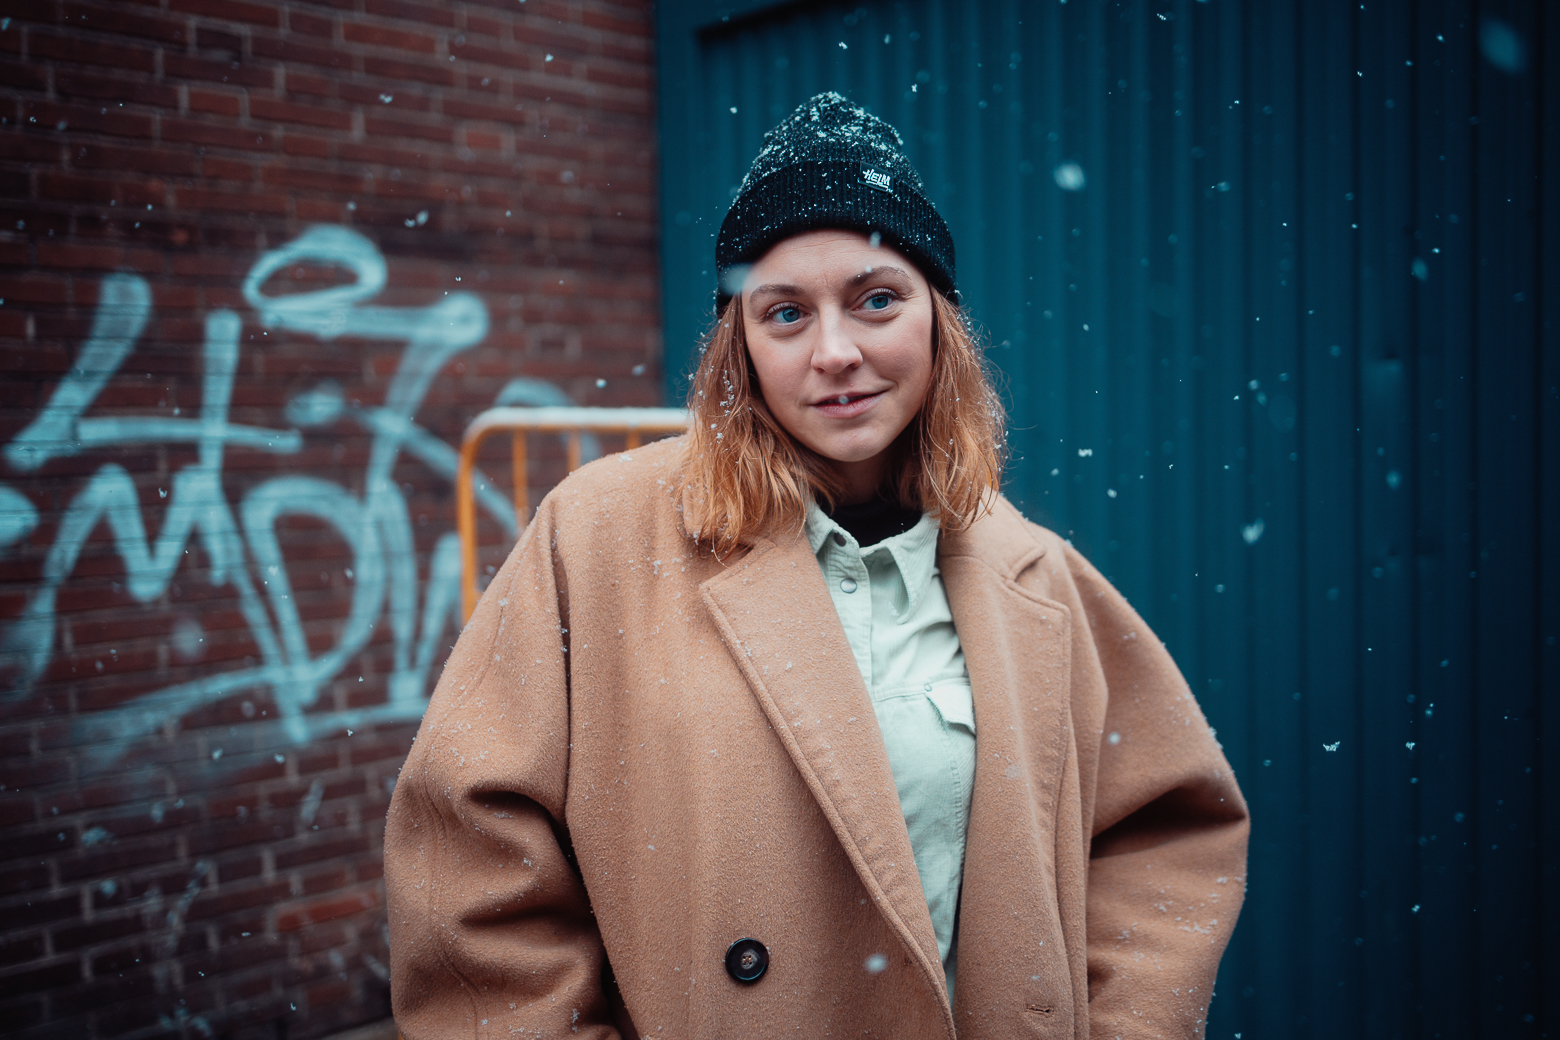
(782,289)
(869,272)
(775,289)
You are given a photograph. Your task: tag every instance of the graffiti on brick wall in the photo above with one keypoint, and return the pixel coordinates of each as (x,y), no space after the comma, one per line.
(240,540)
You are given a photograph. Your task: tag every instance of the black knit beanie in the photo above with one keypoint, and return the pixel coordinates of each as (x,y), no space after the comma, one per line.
(832,164)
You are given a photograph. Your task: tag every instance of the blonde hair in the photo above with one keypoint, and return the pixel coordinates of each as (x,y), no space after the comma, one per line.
(745,474)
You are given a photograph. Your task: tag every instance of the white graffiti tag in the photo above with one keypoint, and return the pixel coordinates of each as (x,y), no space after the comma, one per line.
(241,544)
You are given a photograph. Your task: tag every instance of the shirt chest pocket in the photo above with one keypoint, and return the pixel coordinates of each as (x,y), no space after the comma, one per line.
(929,733)
(954,701)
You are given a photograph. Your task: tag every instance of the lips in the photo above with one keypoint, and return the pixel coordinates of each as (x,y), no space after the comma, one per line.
(848,404)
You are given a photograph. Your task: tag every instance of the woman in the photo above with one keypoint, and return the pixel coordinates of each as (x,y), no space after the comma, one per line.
(793,725)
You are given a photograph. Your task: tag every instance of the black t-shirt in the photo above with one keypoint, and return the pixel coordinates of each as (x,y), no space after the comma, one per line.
(871,522)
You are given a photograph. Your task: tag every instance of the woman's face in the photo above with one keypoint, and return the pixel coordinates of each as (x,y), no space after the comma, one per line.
(840,334)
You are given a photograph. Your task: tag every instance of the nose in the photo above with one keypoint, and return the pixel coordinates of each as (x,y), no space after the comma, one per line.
(835,351)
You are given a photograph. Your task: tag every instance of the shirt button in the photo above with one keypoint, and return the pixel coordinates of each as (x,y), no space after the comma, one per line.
(847,584)
(927,687)
(839,539)
(747,960)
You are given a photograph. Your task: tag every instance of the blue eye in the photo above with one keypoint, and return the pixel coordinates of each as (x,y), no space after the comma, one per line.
(877,303)
(788,315)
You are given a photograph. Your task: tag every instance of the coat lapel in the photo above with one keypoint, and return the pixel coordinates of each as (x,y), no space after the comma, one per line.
(1017,648)
(775,616)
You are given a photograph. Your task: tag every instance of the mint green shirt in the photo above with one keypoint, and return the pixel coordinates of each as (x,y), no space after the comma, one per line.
(892,603)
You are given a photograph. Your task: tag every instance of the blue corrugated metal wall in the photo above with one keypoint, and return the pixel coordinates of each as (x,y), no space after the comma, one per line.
(1272,288)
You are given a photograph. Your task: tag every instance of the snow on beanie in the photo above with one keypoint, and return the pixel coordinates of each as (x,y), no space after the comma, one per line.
(831,164)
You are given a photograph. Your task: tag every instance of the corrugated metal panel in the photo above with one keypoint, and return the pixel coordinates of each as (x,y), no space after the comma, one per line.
(1285,368)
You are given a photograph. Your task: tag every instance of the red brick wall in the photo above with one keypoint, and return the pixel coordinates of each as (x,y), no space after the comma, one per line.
(225,499)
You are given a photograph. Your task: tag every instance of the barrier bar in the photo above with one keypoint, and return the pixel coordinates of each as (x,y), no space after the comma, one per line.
(520,423)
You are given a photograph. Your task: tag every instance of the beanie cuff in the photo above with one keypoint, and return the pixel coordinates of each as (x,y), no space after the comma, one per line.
(827,194)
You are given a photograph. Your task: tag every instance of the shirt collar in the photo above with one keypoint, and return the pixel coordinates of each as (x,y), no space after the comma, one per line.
(914,552)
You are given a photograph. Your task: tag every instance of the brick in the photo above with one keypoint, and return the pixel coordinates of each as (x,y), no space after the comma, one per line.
(385,154)
(32,148)
(485,54)
(74,83)
(308,84)
(34,289)
(114,121)
(291,49)
(115,857)
(619,76)
(218,135)
(383,36)
(216,103)
(437,73)
(219,43)
(315,851)
(411,11)
(295,143)
(97,932)
(16,951)
(81,256)
(37,910)
(404,98)
(142,160)
(314,25)
(232,73)
(68,187)
(231,10)
(484,109)
(72,48)
(595,18)
(630,50)
(230,899)
(45,976)
(23,76)
(220,168)
(483,139)
(119,21)
(292,176)
(381,126)
(123,959)
(138,1018)
(257,950)
(481,25)
(102,992)
(18,877)
(323,881)
(243,928)
(318,211)
(291,917)
(292,112)
(14,184)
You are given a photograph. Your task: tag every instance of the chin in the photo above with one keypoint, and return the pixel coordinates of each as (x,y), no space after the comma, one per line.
(847,454)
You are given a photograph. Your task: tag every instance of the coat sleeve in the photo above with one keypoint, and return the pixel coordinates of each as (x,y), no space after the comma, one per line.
(1168,829)
(491,931)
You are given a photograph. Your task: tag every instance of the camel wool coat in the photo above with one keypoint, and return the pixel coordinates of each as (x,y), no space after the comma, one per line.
(638,754)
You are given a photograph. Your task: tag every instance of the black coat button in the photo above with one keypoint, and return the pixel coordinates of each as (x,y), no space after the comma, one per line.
(747,960)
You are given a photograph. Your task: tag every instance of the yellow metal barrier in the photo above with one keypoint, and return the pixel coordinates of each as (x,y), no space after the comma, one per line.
(520,422)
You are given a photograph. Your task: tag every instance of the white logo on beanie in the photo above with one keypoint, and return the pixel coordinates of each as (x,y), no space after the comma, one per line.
(877,179)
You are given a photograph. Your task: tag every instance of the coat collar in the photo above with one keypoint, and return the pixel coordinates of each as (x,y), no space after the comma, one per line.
(774,613)
(775,616)
(1001,540)
(1018,648)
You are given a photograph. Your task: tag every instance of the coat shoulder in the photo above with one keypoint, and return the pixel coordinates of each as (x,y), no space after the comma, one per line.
(1007,541)
(627,488)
